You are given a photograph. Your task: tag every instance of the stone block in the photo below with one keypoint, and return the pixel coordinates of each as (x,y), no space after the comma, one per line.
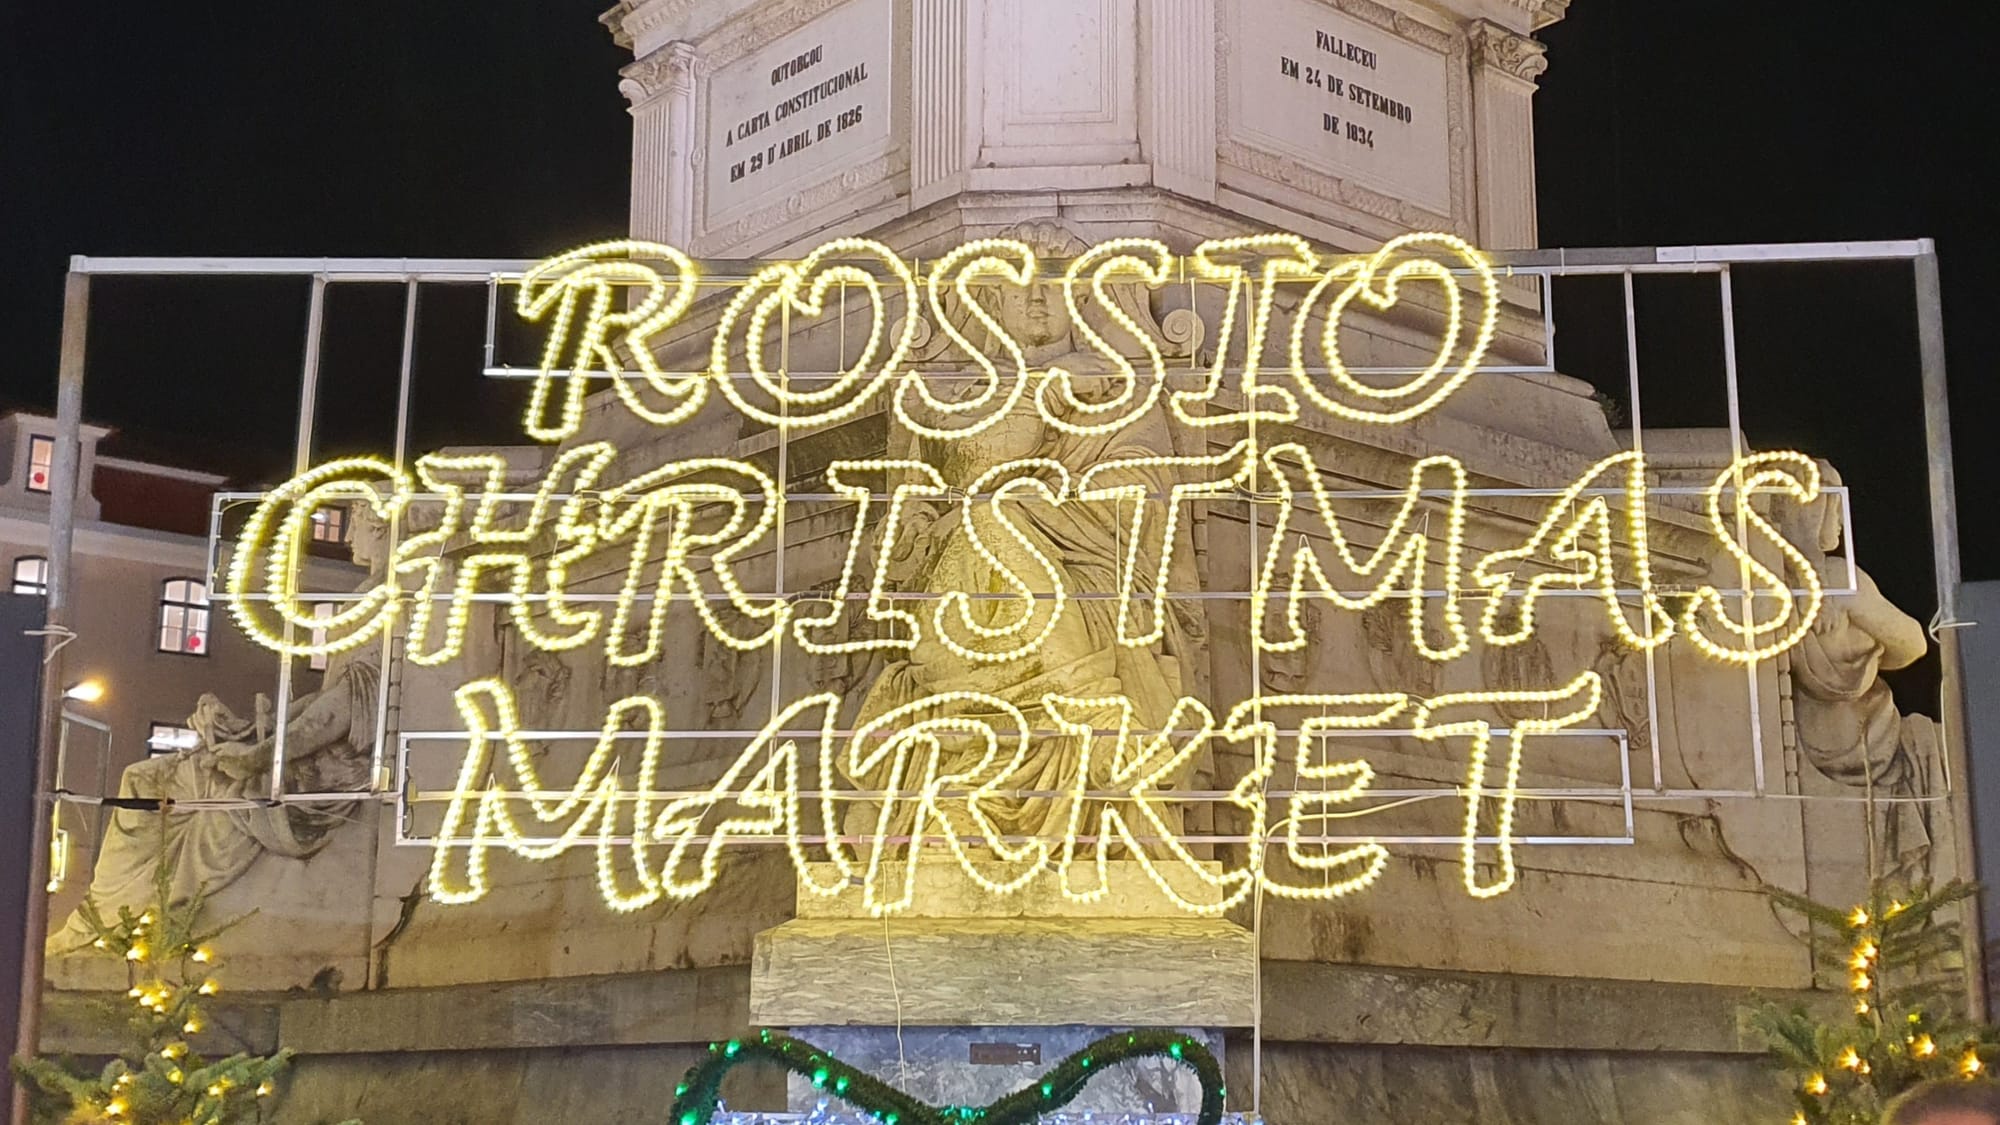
(1164,972)
(696,1006)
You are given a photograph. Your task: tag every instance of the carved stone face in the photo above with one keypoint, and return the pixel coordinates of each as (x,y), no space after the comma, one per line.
(368,537)
(1819,523)
(1034,314)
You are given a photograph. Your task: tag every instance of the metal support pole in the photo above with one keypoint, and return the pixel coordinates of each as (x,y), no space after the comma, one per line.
(1944,553)
(301,461)
(64,486)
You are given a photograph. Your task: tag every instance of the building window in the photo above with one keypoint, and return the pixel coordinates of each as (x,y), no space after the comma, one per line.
(31,576)
(167,738)
(41,461)
(322,611)
(184,617)
(330,525)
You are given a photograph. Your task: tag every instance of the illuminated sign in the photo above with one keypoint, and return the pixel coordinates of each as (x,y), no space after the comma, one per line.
(945,766)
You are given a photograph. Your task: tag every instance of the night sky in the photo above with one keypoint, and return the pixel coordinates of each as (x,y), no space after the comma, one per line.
(371,127)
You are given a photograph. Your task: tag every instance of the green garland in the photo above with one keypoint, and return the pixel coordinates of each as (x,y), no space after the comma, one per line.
(699,1094)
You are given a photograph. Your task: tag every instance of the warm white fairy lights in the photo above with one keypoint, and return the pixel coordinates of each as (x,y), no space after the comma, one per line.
(998,644)
(934,767)
(904,482)
(1279,257)
(1758,638)
(882,752)
(593,331)
(1402,558)
(491,785)
(1142,771)
(591,548)
(1582,696)
(1352,868)
(601,275)
(1151,262)
(796,294)
(1130,481)
(1002,258)
(1574,539)
(1450,366)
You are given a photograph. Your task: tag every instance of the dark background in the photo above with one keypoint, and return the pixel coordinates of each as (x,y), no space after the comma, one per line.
(369,127)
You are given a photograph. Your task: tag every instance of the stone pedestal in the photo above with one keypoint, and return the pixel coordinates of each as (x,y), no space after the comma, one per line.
(765,124)
(968,997)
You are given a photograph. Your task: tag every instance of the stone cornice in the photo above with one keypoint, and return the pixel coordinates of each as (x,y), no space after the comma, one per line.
(1314,1003)
(613,19)
(637,17)
(1500,49)
(671,69)
(1542,13)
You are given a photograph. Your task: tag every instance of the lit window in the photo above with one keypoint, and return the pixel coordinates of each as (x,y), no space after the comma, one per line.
(322,611)
(31,576)
(330,525)
(184,617)
(41,461)
(166,738)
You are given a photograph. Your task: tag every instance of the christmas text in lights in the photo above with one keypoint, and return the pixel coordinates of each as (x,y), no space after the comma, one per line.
(1018,474)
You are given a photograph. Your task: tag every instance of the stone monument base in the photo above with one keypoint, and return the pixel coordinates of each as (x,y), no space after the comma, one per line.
(973,1066)
(967,997)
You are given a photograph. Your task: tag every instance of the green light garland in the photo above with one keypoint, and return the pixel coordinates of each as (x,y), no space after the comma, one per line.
(699,1094)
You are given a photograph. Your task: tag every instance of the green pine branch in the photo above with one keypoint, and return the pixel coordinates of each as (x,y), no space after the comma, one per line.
(159,1076)
(1901,958)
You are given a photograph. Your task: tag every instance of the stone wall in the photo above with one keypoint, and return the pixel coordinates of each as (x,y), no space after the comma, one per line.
(1342,1044)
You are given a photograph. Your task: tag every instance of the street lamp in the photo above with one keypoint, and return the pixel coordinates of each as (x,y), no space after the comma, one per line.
(85,691)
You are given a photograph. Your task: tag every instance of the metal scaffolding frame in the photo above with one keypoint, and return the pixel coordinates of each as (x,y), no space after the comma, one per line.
(391,778)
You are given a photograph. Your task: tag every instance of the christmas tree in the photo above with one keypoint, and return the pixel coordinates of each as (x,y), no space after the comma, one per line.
(161,1078)
(1904,968)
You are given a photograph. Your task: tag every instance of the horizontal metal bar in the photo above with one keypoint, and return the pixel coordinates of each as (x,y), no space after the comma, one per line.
(332,269)
(1640,796)
(509,372)
(1753,252)
(954,495)
(919,596)
(1554,262)
(1168,796)
(848,732)
(581,842)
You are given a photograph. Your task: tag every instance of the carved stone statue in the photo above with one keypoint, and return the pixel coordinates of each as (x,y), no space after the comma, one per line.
(1847,723)
(329,743)
(1081,656)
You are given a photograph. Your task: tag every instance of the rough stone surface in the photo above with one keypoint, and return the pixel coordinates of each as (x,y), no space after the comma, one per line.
(575,1086)
(1356,1004)
(1309,1085)
(696,1006)
(1167,972)
(1342,1043)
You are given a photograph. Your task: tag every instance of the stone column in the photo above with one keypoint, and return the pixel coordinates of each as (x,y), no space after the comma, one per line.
(661,90)
(944,85)
(1177,94)
(1505,65)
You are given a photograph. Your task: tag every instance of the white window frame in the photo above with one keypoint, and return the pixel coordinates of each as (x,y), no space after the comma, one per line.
(184,617)
(41,455)
(34,587)
(329,525)
(169,738)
